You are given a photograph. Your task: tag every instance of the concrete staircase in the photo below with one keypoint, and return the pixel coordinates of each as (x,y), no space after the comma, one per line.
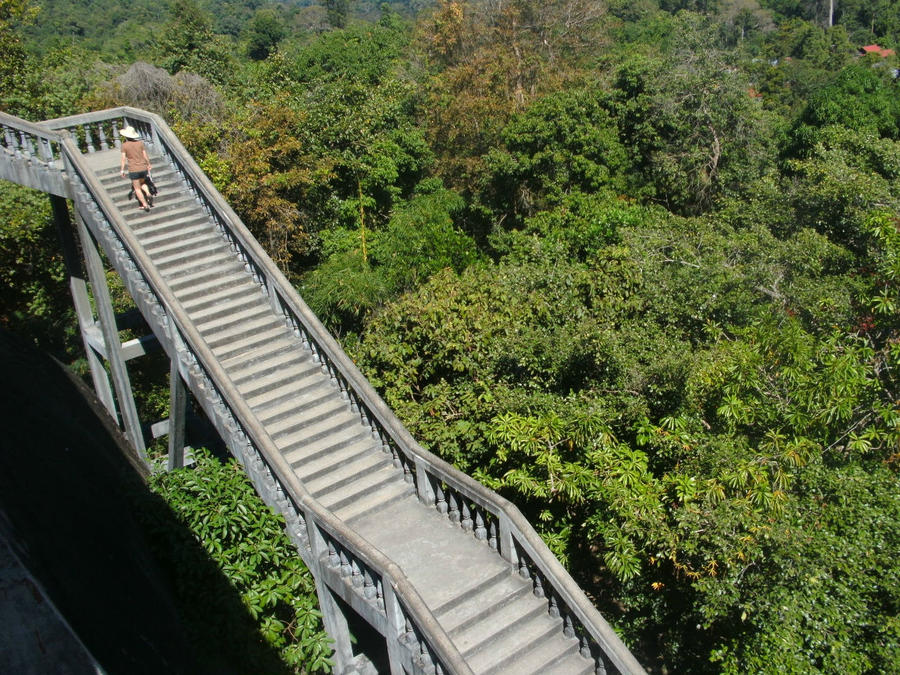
(489,610)
(448,573)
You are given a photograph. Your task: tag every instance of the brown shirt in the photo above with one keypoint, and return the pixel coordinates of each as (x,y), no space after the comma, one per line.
(135,155)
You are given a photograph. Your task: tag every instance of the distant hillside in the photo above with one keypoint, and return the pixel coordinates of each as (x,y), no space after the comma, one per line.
(101,24)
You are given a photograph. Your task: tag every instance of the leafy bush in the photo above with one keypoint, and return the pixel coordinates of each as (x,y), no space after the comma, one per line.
(248,542)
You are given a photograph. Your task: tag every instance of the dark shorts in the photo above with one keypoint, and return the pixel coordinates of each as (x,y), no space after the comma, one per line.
(134,175)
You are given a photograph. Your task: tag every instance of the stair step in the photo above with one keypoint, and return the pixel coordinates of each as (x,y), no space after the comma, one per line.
(228,303)
(473,637)
(310,469)
(301,452)
(238,348)
(272,396)
(319,430)
(312,395)
(270,370)
(182,268)
(556,657)
(512,642)
(373,482)
(157,238)
(232,334)
(159,216)
(471,607)
(245,363)
(373,500)
(165,198)
(241,320)
(171,220)
(223,295)
(191,286)
(345,474)
(212,249)
(185,245)
(309,411)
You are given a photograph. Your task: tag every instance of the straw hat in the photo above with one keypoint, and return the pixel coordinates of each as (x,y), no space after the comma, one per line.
(129,132)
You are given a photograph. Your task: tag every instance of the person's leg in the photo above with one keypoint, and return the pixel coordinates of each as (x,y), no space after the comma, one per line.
(139,193)
(147,196)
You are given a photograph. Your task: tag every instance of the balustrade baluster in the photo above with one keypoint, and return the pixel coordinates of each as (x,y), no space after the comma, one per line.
(280,497)
(454,507)
(46,150)
(441,503)
(407,473)
(88,140)
(379,594)
(409,635)
(480,529)
(103,144)
(554,607)
(369,590)
(492,537)
(466,522)
(24,145)
(585,649)
(523,568)
(600,668)
(568,628)
(333,558)
(427,659)
(356,579)
(11,145)
(538,585)
(345,565)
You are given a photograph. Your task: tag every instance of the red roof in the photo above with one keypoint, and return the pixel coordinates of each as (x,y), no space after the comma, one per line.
(877,49)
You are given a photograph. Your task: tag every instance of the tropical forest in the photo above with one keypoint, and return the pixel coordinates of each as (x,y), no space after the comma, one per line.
(634,265)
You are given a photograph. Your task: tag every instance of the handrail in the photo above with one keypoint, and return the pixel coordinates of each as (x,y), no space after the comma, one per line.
(495,518)
(37,130)
(34,151)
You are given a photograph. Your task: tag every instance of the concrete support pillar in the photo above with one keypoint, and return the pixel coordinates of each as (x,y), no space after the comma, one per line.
(107,320)
(332,615)
(177,415)
(396,628)
(81,299)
